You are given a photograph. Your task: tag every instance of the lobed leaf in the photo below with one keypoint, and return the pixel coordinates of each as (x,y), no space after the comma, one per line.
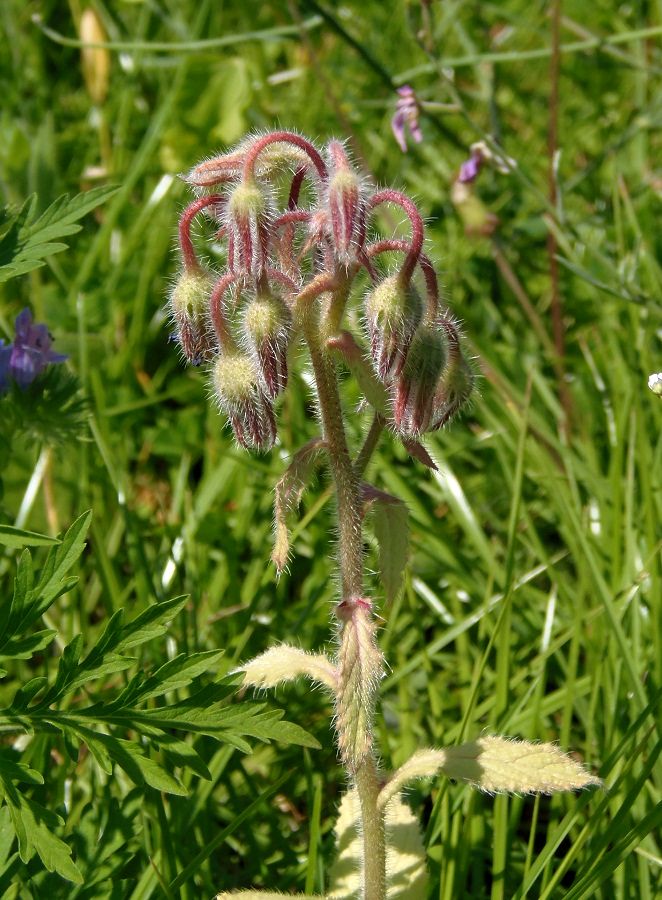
(27,243)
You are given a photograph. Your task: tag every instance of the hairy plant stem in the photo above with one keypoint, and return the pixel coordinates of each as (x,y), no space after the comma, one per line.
(350,555)
(363,770)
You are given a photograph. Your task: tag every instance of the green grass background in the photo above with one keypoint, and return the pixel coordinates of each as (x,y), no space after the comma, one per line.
(532,604)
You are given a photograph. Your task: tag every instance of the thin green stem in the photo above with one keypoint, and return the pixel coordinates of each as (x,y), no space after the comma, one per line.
(227,40)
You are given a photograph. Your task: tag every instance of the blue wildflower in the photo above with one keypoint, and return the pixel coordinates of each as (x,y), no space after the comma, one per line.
(29,355)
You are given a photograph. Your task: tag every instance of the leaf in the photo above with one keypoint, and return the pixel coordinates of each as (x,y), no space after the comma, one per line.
(152,623)
(390,522)
(284,663)
(10,613)
(496,764)
(27,243)
(17,537)
(62,559)
(178,672)
(25,647)
(405,854)
(288,493)
(179,753)
(13,770)
(29,602)
(26,694)
(416,450)
(34,827)
(109,665)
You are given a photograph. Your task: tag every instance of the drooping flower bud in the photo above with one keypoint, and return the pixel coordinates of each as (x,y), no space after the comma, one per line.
(189,301)
(413,402)
(267,324)
(248,216)
(393,311)
(453,390)
(345,205)
(239,394)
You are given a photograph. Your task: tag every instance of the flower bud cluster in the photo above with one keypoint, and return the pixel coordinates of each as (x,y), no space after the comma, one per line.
(294,224)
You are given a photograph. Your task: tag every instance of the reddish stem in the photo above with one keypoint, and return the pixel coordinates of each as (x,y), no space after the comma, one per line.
(216,311)
(275,275)
(424,261)
(282,137)
(295,188)
(189,256)
(319,285)
(293,215)
(417,227)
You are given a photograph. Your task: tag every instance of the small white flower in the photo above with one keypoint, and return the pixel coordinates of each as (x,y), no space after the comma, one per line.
(655,383)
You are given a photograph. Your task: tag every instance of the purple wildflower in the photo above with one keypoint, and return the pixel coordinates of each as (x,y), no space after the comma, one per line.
(30,353)
(470,168)
(406,116)
(5,355)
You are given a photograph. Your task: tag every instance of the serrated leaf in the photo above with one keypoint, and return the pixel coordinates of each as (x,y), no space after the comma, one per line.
(52,583)
(178,672)
(140,768)
(34,828)
(108,640)
(11,769)
(93,742)
(66,667)
(25,647)
(62,558)
(390,522)
(27,243)
(11,613)
(288,733)
(109,665)
(17,537)
(26,694)
(179,753)
(152,623)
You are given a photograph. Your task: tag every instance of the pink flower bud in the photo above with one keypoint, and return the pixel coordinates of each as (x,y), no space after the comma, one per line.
(248,218)
(392,311)
(345,205)
(240,396)
(413,402)
(189,302)
(267,325)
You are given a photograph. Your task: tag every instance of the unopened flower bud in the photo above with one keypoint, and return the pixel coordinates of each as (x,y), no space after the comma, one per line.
(188,305)
(393,311)
(248,216)
(655,383)
(267,323)
(413,402)
(453,390)
(238,392)
(345,205)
